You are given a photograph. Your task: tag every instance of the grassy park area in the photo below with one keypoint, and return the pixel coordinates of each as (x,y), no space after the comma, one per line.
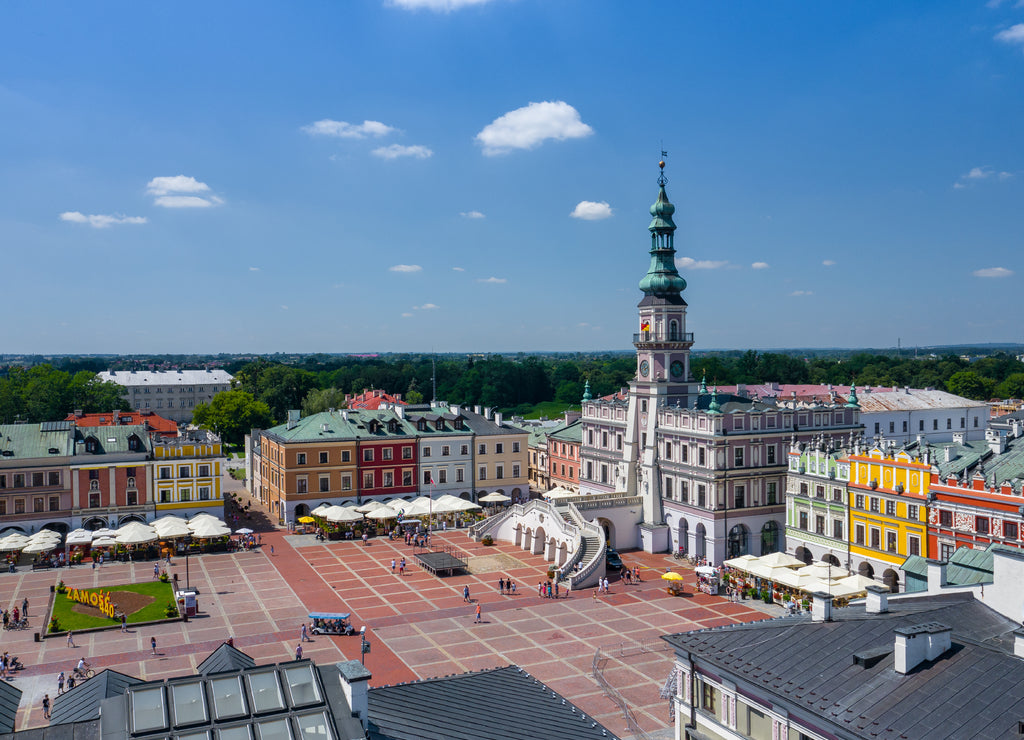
(141,602)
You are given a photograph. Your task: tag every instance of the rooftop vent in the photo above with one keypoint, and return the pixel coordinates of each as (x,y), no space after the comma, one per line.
(871,657)
(920,642)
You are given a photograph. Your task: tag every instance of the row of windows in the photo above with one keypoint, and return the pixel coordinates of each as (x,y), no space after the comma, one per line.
(680,491)
(554,471)
(821,526)
(982,524)
(820,491)
(190,389)
(184,471)
(875,504)
(33,480)
(185,494)
(920,425)
(170,404)
(38,504)
(387,453)
(913,544)
(604,440)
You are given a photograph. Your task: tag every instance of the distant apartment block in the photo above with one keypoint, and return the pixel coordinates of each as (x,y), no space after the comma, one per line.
(173,394)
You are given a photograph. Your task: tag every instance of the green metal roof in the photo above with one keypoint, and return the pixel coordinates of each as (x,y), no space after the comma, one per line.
(28,441)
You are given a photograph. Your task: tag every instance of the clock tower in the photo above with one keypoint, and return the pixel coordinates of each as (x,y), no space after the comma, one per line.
(663,368)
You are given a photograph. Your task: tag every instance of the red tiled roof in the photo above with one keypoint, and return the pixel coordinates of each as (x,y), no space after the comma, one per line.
(157,424)
(373,399)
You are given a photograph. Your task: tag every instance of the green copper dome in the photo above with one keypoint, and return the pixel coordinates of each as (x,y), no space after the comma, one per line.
(586,391)
(662,278)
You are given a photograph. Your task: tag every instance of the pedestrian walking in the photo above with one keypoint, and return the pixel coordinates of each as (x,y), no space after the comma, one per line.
(156,570)
(124,622)
(298,651)
(71,640)
(479,614)
(393,565)
(465,594)
(606,585)
(24,608)
(305,634)
(401,567)
(513,585)
(271,549)
(60,683)
(46,706)
(636,573)
(152,643)
(501,586)
(568,588)
(556,588)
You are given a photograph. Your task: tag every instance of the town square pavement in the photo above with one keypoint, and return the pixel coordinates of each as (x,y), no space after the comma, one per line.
(418,625)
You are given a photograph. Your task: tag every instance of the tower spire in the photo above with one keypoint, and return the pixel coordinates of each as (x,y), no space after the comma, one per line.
(663,279)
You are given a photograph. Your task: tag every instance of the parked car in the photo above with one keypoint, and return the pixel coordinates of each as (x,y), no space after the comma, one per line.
(612,559)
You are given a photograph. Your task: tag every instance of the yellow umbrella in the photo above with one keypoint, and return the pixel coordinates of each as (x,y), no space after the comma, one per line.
(672,576)
(306,520)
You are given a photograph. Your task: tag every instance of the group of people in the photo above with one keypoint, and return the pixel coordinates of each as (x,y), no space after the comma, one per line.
(630,576)
(13,619)
(8,664)
(398,565)
(506,586)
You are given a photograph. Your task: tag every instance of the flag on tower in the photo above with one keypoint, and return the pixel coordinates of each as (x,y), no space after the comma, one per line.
(645,326)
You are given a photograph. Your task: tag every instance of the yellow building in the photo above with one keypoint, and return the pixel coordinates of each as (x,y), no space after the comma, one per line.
(186,475)
(888,497)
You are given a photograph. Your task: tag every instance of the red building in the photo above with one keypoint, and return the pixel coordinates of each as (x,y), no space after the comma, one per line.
(564,455)
(155,424)
(976,496)
(373,400)
(386,455)
(110,476)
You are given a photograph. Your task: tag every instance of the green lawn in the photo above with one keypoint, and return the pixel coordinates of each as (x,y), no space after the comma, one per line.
(238,473)
(161,593)
(550,409)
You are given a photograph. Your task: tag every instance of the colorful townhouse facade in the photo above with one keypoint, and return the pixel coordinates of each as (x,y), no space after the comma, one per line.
(888,496)
(187,475)
(817,511)
(976,494)
(348,456)
(35,475)
(602,440)
(564,455)
(111,477)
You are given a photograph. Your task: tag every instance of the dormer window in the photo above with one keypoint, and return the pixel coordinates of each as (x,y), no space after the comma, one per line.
(392,426)
(439,425)
(92,444)
(134,443)
(373,427)
(421,425)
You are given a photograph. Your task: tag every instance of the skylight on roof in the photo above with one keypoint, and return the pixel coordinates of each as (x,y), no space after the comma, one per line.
(189,703)
(265,692)
(148,711)
(314,726)
(228,700)
(274,729)
(234,733)
(302,686)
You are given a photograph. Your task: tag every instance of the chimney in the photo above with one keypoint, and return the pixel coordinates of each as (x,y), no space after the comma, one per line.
(477,409)
(497,418)
(919,643)
(877,600)
(78,413)
(293,418)
(487,412)
(456,410)
(947,453)
(959,438)
(821,607)
(344,414)
(400,411)
(1018,643)
(117,416)
(996,441)
(936,574)
(355,685)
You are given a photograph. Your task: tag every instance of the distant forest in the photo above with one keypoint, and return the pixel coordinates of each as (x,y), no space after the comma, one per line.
(512,383)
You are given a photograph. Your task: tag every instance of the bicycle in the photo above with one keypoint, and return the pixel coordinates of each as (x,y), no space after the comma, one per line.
(679,554)
(84,674)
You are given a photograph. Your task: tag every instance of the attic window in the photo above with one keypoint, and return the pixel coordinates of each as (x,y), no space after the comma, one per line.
(91,445)
(53,451)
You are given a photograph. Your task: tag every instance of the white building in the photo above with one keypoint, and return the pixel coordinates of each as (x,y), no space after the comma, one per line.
(172,393)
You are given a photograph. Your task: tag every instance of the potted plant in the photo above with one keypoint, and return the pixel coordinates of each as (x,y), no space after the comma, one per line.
(487,540)
(806,604)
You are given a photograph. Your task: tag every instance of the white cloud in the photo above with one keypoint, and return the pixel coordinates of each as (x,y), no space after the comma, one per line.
(406,315)
(284,307)
(254,269)
(472,214)
(345,130)
(99,220)
(993,272)
(395,151)
(459,269)
(425,307)
(527,128)
(438,6)
(1012,35)
(179,191)
(760,266)
(689,263)
(405,268)
(589,210)
(492,280)
(977,174)
(828,263)
(802,292)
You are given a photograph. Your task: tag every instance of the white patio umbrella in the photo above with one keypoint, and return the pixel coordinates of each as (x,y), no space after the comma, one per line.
(243,530)
(170,530)
(104,542)
(45,535)
(399,504)
(382,512)
(136,533)
(420,507)
(446,506)
(369,506)
(824,571)
(498,498)
(320,510)
(104,532)
(79,537)
(465,505)
(168,519)
(341,514)
(9,531)
(202,515)
(36,547)
(559,492)
(13,542)
(775,559)
(207,529)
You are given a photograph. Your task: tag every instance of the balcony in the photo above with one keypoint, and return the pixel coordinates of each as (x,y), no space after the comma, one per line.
(662,337)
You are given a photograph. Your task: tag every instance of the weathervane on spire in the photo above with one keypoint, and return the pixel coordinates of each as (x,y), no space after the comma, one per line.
(661,166)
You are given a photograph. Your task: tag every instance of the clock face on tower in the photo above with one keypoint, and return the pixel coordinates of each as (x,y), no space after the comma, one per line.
(645,368)
(677,369)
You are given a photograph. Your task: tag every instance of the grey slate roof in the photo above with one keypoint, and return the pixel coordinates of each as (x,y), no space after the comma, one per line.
(975,690)
(223,659)
(88,730)
(83,702)
(10,697)
(499,704)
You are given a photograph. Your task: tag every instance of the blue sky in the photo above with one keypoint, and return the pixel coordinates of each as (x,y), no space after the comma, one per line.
(408,175)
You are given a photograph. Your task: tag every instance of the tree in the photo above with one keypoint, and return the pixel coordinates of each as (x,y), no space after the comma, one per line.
(322,400)
(232,414)
(969,384)
(1012,387)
